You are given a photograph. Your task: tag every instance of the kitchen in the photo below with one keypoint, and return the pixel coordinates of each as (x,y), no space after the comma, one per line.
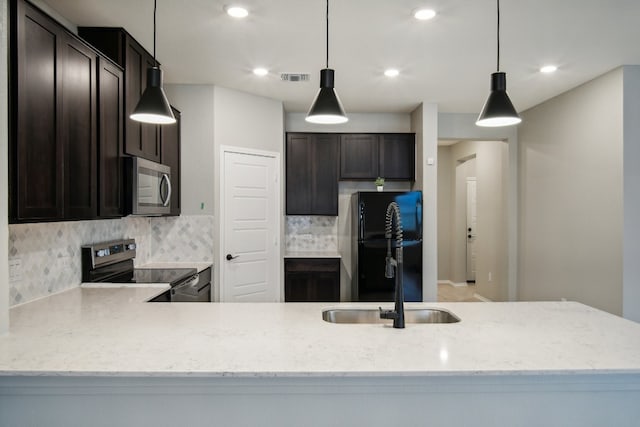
(231,109)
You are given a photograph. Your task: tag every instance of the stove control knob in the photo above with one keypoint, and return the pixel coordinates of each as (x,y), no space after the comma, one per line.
(131,246)
(100,253)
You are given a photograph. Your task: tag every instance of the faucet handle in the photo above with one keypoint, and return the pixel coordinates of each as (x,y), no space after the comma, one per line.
(388,314)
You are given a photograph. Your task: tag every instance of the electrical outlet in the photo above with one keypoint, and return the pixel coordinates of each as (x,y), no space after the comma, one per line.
(15,270)
(490,276)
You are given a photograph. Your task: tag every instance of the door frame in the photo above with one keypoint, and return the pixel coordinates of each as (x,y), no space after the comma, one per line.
(224,149)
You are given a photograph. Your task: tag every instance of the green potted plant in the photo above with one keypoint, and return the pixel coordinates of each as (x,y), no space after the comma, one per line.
(379,183)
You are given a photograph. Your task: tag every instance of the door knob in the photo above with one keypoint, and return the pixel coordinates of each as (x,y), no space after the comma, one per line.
(230,257)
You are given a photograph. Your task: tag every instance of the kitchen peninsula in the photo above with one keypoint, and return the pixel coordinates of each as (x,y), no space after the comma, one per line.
(92,356)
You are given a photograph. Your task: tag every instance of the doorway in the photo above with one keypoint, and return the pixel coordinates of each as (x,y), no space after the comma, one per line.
(472,218)
(471,229)
(249,226)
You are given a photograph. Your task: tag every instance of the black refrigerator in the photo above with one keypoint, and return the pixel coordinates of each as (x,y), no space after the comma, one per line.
(369,246)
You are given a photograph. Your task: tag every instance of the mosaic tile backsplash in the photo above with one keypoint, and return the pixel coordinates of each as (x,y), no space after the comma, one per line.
(311,233)
(44,258)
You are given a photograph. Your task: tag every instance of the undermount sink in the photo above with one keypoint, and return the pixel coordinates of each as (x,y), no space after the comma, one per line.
(369,315)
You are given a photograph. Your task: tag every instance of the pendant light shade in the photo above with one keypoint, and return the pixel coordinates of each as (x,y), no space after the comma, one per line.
(326,107)
(498,109)
(153,106)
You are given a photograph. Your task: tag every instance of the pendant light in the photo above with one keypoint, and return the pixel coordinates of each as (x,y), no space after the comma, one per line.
(326,107)
(498,109)
(153,106)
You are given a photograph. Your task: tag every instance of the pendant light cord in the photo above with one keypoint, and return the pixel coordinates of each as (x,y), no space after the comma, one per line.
(155,5)
(498,36)
(327,33)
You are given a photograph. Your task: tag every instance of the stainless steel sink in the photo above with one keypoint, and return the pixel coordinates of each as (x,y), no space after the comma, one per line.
(368,315)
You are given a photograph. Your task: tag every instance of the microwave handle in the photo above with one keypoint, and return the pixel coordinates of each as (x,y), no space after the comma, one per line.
(165,177)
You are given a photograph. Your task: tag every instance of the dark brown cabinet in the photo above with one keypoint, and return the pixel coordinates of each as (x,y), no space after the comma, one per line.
(368,156)
(312,280)
(397,156)
(110,131)
(359,156)
(53,148)
(140,139)
(312,174)
(170,143)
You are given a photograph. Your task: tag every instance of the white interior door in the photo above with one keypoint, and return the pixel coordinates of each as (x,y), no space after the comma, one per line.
(471,229)
(250,225)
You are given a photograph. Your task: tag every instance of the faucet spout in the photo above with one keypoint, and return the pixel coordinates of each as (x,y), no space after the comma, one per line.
(394,265)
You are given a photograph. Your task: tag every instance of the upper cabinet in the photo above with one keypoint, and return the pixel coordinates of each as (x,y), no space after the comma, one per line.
(110,93)
(312,174)
(53,120)
(140,139)
(170,143)
(368,156)
(359,156)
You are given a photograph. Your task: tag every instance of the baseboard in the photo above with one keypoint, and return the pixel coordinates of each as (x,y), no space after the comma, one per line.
(450,283)
(481,298)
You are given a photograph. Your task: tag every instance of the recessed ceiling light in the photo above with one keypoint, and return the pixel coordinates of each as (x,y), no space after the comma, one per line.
(236,11)
(424,14)
(391,72)
(548,69)
(260,71)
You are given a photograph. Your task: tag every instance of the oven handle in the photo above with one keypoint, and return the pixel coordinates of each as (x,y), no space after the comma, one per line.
(190,283)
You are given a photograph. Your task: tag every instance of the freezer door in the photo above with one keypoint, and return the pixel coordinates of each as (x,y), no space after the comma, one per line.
(372,209)
(372,283)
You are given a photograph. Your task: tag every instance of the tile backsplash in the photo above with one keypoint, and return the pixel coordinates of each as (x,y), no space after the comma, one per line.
(44,258)
(311,233)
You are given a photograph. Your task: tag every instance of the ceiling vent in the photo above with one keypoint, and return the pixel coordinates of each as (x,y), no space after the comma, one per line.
(294,77)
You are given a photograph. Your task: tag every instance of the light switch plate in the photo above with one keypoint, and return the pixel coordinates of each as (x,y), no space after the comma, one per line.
(15,270)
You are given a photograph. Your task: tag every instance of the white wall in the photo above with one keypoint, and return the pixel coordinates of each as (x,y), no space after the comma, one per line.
(571,198)
(445,191)
(631,167)
(424,122)
(463,127)
(4,172)
(195,102)
(358,122)
(252,122)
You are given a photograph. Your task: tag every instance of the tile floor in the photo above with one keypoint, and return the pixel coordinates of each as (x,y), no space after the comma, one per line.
(449,293)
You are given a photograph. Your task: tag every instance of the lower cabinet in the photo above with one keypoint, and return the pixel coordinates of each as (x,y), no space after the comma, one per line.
(312,280)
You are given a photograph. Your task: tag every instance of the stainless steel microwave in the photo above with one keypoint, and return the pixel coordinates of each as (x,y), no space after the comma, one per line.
(148,187)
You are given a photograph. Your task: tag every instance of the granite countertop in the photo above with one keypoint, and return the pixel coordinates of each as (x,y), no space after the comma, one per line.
(200,266)
(312,254)
(112,332)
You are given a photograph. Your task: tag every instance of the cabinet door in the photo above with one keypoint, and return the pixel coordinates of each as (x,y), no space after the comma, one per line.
(36,148)
(397,156)
(141,139)
(359,156)
(298,174)
(324,175)
(110,106)
(170,143)
(78,129)
(312,280)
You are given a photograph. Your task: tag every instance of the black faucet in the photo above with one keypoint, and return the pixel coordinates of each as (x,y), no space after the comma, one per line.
(394,265)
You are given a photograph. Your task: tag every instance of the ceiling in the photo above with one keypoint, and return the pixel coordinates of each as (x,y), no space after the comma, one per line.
(447,60)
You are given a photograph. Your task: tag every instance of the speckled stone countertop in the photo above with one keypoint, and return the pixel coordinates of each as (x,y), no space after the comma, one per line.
(113,332)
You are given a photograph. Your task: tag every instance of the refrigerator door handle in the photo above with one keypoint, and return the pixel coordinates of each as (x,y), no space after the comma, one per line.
(419,217)
(361,222)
